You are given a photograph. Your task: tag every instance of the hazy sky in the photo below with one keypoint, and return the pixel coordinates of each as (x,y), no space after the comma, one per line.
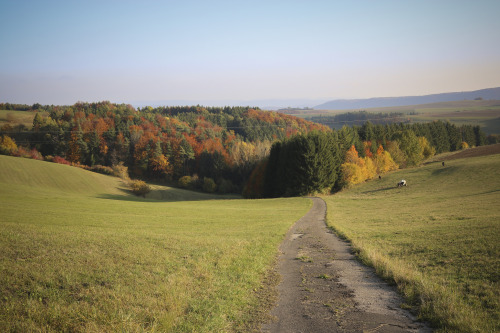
(61,52)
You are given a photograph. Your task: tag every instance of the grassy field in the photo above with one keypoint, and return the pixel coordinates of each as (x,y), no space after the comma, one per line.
(438,238)
(16,118)
(78,253)
(483,113)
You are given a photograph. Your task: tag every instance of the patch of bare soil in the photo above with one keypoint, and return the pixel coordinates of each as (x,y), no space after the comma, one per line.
(325,289)
(475,152)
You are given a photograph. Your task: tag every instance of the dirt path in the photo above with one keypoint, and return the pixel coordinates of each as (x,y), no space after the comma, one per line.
(324,289)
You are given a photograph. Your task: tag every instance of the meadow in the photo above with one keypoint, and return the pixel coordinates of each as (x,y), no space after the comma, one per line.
(438,239)
(79,253)
(16,118)
(484,113)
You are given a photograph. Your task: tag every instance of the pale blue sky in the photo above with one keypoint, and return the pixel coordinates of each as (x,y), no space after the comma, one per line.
(60,52)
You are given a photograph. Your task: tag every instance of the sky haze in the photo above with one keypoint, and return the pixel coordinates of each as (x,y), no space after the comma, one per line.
(61,52)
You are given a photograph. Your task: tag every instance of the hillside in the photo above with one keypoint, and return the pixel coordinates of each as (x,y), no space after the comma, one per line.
(380,102)
(437,238)
(37,175)
(163,144)
(79,255)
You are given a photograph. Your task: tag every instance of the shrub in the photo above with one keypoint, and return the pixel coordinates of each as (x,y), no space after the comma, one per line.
(121,171)
(464,145)
(209,185)
(139,187)
(60,160)
(22,152)
(105,170)
(36,155)
(196,182)
(185,182)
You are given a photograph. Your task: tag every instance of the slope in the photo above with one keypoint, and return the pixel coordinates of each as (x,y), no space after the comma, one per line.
(57,177)
(437,238)
(79,255)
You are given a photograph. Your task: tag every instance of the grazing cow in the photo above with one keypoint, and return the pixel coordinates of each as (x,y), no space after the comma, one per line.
(402,183)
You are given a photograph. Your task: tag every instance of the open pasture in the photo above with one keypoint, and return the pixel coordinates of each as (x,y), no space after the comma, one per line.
(16,118)
(488,117)
(484,113)
(438,238)
(78,253)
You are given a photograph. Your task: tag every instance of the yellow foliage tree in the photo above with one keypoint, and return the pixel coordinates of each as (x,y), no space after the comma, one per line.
(356,170)
(7,145)
(370,170)
(426,150)
(383,161)
(352,174)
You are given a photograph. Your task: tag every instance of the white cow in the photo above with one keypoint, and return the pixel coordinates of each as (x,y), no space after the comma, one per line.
(402,183)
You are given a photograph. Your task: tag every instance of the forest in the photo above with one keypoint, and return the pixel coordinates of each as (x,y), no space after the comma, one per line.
(226,149)
(173,145)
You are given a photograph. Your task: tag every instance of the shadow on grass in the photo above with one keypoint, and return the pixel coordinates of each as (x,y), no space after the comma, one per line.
(168,195)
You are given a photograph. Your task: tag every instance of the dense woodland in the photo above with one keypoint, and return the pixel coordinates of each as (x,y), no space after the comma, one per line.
(161,144)
(227,149)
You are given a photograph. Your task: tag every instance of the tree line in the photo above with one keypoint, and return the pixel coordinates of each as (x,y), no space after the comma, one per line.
(227,149)
(331,160)
(219,145)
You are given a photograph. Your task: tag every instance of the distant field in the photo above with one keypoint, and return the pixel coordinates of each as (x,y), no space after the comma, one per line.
(483,113)
(78,253)
(16,117)
(438,238)
(488,117)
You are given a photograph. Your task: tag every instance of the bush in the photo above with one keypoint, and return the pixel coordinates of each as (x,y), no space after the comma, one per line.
(121,171)
(60,160)
(22,152)
(185,182)
(139,187)
(209,185)
(105,170)
(36,155)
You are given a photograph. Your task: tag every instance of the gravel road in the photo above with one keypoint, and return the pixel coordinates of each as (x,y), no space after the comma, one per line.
(324,289)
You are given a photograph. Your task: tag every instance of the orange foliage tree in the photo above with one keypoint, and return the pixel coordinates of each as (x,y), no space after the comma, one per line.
(383,161)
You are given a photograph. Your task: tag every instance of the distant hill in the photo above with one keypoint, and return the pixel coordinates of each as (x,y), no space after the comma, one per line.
(341,104)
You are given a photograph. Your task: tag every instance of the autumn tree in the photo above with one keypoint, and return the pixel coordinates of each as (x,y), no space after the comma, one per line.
(7,145)
(383,161)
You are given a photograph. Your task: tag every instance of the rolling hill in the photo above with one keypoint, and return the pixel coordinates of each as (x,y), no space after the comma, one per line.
(340,104)
(77,254)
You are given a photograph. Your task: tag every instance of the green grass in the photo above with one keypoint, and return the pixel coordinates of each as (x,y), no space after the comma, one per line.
(487,117)
(484,113)
(16,117)
(78,253)
(438,238)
